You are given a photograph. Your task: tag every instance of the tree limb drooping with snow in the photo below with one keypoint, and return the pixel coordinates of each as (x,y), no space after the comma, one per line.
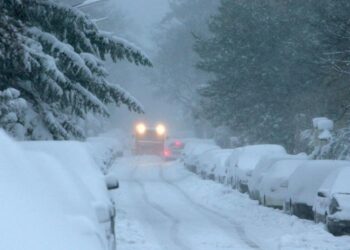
(53,55)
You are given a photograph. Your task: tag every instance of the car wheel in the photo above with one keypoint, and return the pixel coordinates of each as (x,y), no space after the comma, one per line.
(331,228)
(316,219)
(291,208)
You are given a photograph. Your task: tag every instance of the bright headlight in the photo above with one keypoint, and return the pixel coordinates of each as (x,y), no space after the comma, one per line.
(141,128)
(160,129)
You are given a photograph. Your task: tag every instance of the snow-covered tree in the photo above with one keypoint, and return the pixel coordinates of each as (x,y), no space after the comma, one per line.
(52,54)
(266,58)
(12,110)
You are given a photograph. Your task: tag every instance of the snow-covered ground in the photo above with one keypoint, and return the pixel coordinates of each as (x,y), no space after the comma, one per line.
(50,191)
(164,206)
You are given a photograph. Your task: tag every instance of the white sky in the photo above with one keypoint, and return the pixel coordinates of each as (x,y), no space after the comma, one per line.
(145,14)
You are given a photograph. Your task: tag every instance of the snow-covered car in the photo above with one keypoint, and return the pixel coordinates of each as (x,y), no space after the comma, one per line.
(273,187)
(211,164)
(243,161)
(264,164)
(46,203)
(205,163)
(304,183)
(220,170)
(332,203)
(75,157)
(192,151)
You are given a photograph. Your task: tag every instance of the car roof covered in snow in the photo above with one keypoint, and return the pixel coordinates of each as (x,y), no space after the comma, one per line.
(202,148)
(285,168)
(43,200)
(247,157)
(337,182)
(197,144)
(267,162)
(214,157)
(307,179)
(75,156)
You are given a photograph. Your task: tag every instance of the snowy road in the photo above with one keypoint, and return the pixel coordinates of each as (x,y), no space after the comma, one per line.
(161,206)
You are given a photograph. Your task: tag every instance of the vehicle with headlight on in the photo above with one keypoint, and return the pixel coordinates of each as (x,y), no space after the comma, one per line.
(150,140)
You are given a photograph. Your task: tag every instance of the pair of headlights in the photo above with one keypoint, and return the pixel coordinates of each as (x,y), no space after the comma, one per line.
(141,129)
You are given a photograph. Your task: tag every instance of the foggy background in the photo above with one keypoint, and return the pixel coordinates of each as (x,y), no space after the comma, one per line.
(138,21)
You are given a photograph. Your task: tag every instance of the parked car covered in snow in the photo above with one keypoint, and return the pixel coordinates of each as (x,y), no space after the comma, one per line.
(264,164)
(75,158)
(205,163)
(273,187)
(220,170)
(193,150)
(212,164)
(332,203)
(243,161)
(304,183)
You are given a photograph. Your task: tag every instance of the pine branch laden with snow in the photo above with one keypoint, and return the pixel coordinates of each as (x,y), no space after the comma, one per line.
(56,54)
(12,109)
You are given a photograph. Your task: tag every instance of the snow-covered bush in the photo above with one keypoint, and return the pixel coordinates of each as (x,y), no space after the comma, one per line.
(52,54)
(338,147)
(326,142)
(12,109)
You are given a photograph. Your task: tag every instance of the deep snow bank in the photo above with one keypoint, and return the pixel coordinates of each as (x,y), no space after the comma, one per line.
(51,197)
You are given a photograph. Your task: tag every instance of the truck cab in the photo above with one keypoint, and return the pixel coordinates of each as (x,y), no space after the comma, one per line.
(149,140)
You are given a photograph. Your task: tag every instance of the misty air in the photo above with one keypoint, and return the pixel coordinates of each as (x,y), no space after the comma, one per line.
(174,125)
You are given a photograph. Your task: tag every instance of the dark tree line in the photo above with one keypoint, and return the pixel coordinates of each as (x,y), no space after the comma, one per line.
(276,65)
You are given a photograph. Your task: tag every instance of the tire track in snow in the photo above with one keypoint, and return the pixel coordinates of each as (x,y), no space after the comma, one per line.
(175,223)
(237,226)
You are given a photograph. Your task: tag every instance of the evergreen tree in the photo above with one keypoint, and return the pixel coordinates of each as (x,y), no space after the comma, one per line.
(263,55)
(52,55)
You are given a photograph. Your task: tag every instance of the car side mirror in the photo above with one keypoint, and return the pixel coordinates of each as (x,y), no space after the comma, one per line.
(321,194)
(112,182)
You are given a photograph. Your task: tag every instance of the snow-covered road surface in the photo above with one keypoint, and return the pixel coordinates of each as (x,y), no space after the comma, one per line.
(162,206)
